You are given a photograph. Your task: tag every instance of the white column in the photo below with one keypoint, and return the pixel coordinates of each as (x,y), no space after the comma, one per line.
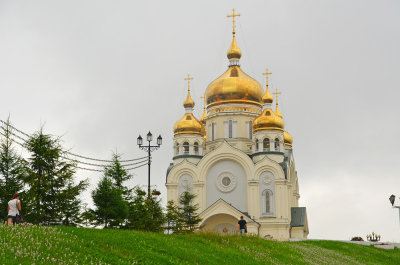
(191,149)
(272,145)
(260,146)
(180,149)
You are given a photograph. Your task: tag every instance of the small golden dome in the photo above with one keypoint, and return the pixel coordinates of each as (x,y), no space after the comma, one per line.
(288,139)
(234,86)
(267,98)
(188,103)
(188,125)
(277,112)
(234,51)
(268,120)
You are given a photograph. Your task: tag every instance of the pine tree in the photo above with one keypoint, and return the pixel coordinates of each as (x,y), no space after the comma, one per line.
(172,217)
(52,196)
(117,173)
(145,213)
(12,169)
(111,208)
(188,211)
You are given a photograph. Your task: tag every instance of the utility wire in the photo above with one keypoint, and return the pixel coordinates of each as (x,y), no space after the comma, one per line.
(70,153)
(145,162)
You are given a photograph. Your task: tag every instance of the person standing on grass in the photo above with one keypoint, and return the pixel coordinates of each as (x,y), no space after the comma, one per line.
(14,206)
(242,225)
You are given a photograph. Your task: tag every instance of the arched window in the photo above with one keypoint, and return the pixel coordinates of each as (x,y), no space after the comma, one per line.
(186,148)
(266,145)
(267,202)
(177,149)
(256,145)
(276,144)
(196,148)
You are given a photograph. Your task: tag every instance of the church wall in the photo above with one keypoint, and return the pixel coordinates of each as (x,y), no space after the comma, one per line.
(278,232)
(241,129)
(235,192)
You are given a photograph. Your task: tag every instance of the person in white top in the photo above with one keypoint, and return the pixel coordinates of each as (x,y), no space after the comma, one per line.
(14,206)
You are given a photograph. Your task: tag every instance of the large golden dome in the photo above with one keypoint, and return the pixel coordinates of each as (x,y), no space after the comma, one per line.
(188,125)
(234,86)
(268,120)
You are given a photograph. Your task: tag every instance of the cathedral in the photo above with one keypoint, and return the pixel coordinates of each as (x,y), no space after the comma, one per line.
(238,158)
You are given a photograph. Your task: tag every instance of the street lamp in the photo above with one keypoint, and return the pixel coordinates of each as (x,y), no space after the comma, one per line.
(392,198)
(149,148)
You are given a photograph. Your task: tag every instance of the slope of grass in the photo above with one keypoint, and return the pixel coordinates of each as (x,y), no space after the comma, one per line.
(68,245)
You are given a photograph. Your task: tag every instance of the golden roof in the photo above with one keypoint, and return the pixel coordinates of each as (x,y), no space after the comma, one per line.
(188,125)
(234,86)
(234,51)
(288,139)
(188,103)
(277,112)
(267,98)
(268,120)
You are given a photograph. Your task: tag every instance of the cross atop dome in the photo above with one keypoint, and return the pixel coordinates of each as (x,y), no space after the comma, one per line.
(188,78)
(233,20)
(189,103)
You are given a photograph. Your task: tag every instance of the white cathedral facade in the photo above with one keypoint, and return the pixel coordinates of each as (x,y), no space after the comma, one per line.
(238,159)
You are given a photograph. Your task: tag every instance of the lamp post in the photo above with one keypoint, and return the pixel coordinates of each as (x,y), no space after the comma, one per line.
(149,148)
(392,199)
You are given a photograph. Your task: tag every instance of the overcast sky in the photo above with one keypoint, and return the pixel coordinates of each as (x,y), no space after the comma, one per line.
(102,72)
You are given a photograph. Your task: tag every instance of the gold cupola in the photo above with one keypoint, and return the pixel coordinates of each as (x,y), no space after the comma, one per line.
(234,86)
(268,119)
(188,124)
(288,139)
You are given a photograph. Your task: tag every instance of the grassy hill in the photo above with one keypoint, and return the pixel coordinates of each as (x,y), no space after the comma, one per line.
(68,245)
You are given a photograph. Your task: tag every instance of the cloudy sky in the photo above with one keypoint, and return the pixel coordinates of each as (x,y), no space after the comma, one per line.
(100,73)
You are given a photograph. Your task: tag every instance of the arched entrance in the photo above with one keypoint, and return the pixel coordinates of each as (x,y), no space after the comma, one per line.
(220,223)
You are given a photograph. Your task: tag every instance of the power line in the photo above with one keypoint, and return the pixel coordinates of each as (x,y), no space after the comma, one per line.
(70,153)
(141,163)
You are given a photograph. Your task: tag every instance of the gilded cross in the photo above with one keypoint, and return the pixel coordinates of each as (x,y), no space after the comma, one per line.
(204,102)
(276,93)
(188,79)
(266,75)
(233,19)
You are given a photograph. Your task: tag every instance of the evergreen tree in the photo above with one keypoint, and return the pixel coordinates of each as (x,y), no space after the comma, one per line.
(145,213)
(117,173)
(12,169)
(52,196)
(111,208)
(188,212)
(172,217)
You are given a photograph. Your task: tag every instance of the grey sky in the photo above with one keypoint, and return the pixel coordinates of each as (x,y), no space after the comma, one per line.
(102,72)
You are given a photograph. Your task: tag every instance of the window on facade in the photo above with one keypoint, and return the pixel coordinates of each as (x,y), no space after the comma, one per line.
(230,129)
(256,144)
(213,131)
(250,130)
(266,145)
(276,144)
(177,149)
(267,202)
(186,148)
(196,148)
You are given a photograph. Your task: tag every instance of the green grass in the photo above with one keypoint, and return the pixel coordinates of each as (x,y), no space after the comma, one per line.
(67,245)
